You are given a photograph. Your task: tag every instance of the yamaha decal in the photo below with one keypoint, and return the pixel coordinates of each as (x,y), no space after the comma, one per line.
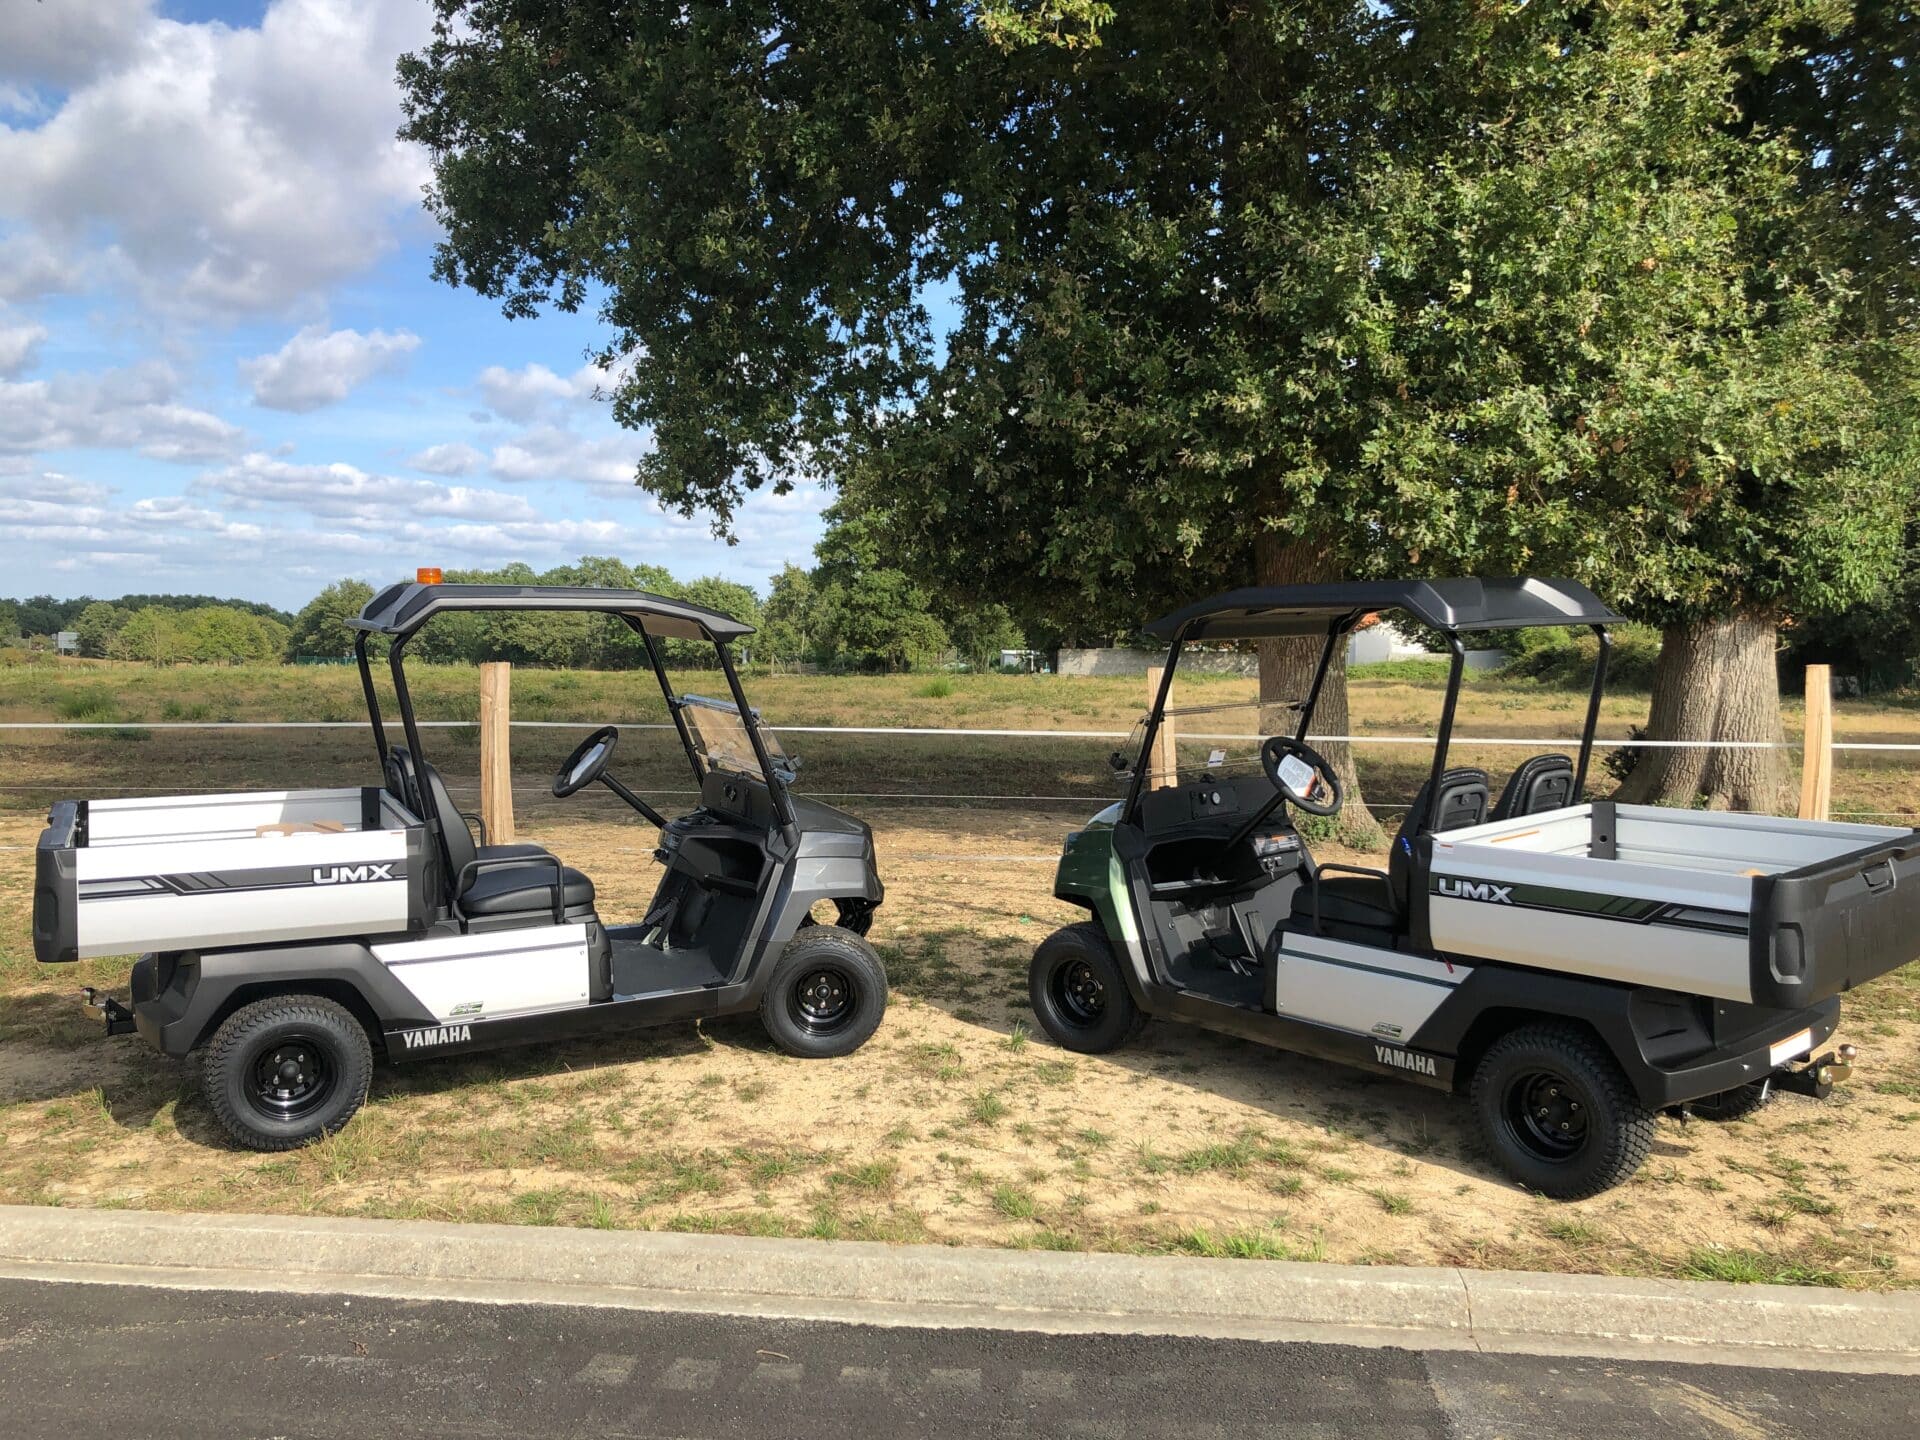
(1410,1060)
(436,1036)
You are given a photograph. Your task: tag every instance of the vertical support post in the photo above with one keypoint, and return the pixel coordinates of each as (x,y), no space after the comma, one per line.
(496,751)
(1816,762)
(1163,760)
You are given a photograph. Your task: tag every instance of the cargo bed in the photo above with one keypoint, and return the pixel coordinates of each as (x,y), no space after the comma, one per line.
(1750,908)
(192,872)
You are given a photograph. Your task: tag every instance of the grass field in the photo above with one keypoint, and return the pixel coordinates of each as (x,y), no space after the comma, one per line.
(957,1124)
(1402,699)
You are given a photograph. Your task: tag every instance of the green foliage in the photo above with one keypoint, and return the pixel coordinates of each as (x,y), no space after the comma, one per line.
(1620,292)
(320,629)
(786,633)
(1564,659)
(97,625)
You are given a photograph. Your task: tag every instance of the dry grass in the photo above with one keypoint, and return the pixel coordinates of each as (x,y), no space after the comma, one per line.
(959,1125)
(37,766)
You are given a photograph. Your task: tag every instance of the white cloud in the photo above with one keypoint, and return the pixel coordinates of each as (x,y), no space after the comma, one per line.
(18,343)
(454,459)
(67,42)
(524,393)
(130,409)
(322,367)
(350,494)
(549,452)
(31,268)
(229,170)
(26,483)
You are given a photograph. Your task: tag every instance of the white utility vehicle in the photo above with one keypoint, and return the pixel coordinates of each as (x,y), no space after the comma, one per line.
(1576,965)
(295,934)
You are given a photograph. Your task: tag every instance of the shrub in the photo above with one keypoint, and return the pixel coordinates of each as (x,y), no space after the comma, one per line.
(1563,658)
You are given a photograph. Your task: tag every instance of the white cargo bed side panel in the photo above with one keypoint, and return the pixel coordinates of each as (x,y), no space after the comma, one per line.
(485,977)
(202,894)
(1566,831)
(1733,842)
(1360,988)
(216,817)
(1607,919)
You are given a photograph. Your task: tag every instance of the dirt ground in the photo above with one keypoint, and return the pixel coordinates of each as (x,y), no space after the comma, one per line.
(956,1124)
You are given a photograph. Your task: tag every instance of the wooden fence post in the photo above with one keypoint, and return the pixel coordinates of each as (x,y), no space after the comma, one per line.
(1163,761)
(496,752)
(1816,760)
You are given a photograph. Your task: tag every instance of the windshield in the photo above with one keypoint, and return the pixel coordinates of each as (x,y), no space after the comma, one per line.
(722,741)
(1219,740)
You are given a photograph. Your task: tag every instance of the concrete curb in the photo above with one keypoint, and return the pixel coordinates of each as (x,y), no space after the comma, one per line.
(927,1286)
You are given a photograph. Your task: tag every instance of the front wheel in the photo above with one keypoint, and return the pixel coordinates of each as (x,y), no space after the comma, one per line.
(827,994)
(1078,992)
(1558,1113)
(284,1071)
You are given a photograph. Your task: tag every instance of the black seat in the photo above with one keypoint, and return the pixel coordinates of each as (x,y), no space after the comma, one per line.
(493,884)
(1539,783)
(1377,902)
(513,888)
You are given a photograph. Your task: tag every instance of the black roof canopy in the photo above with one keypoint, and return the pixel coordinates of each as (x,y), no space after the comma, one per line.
(1450,606)
(404,608)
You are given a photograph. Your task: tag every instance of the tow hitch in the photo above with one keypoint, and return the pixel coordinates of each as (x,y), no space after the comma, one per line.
(1818,1077)
(116,1018)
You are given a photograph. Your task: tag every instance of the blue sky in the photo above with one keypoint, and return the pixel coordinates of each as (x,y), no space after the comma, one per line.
(224,367)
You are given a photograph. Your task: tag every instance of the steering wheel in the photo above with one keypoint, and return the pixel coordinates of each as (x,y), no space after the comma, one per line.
(586,763)
(1302,774)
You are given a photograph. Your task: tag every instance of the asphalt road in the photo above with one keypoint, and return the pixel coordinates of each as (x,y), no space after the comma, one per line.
(82,1360)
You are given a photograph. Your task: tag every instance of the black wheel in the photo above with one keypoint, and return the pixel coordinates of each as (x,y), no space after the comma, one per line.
(1733,1104)
(1078,992)
(286,1070)
(1558,1112)
(827,994)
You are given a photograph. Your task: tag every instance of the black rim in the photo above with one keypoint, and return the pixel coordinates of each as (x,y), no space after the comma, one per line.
(823,1000)
(291,1078)
(1079,993)
(1546,1115)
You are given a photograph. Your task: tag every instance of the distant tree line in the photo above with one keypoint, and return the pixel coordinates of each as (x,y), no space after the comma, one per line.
(850,612)
(160,629)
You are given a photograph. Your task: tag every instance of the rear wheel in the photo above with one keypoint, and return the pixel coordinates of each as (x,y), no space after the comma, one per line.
(1736,1103)
(1558,1112)
(1078,993)
(284,1071)
(827,994)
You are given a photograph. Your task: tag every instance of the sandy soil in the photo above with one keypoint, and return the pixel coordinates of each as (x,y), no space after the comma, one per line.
(957,1125)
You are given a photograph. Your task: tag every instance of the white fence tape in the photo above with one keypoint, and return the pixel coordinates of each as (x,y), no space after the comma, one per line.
(1600,743)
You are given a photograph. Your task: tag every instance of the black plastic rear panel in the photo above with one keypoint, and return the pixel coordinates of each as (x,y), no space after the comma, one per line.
(1832,925)
(56,919)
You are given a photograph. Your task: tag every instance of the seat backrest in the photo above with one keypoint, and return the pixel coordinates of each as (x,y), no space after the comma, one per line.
(1462,802)
(403,781)
(461,851)
(1540,782)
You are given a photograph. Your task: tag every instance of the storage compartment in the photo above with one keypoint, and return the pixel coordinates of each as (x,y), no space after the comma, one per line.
(1752,908)
(205,871)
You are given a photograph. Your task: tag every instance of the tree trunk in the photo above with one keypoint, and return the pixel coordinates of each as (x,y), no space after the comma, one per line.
(1287,667)
(1716,680)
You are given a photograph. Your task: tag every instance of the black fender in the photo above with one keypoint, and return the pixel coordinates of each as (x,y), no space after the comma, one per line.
(1663,1040)
(184,998)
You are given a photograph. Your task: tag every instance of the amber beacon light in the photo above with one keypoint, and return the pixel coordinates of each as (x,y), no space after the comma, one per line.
(427,575)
